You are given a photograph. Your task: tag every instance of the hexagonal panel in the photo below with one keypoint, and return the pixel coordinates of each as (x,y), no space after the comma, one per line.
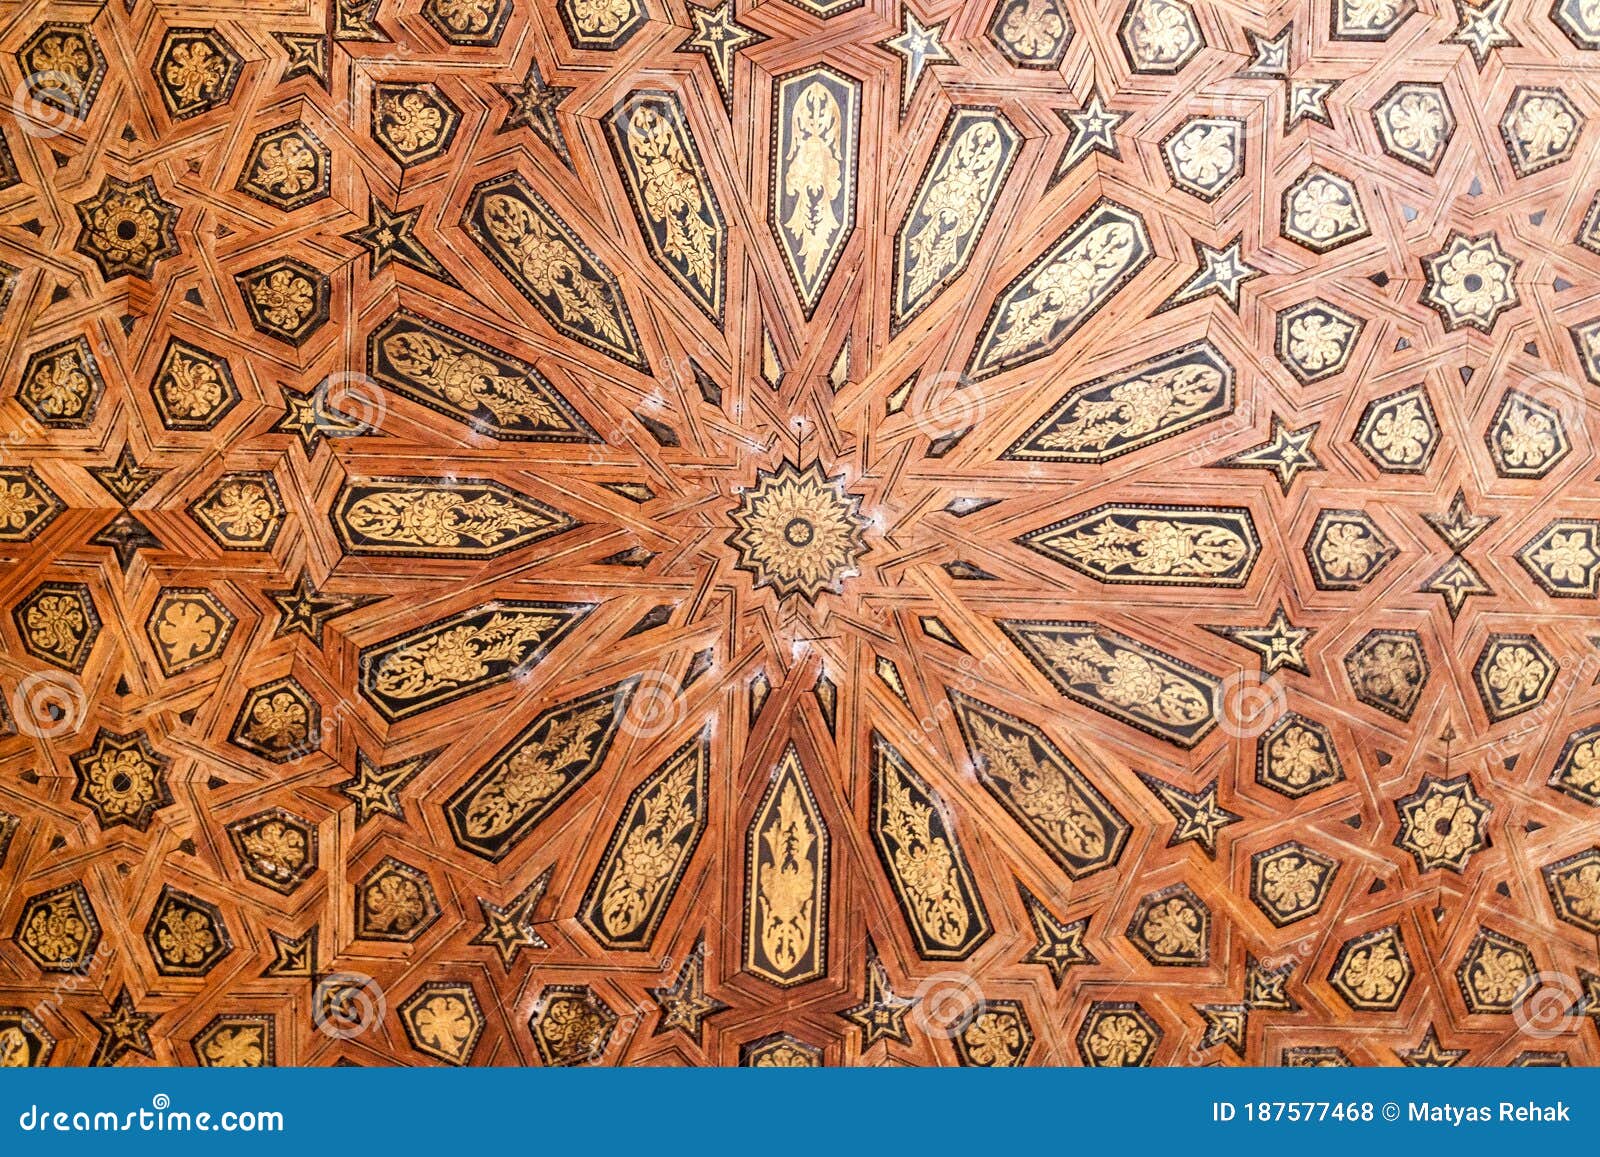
(27,505)
(1032,33)
(1346,550)
(1388,670)
(1159,37)
(186,935)
(58,929)
(1296,757)
(193,388)
(24,1042)
(1513,674)
(1415,123)
(413,122)
(997,1036)
(276,848)
(571,1025)
(286,299)
(1496,973)
(237,1040)
(187,626)
(1373,971)
(780,1050)
(1290,882)
(62,67)
(1117,1034)
(1526,438)
(287,167)
(241,511)
(395,901)
(58,623)
(1580,21)
(442,1020)
(1540,128)
(278,721)
(478,23)
(1205,155)
(1577,769)
(1315,339)
(1574,887)
(1322,211)
(1172,926)
(1400,432)
(61,385)
(1369,19)
(1564,558)
(195,70)
(122,779)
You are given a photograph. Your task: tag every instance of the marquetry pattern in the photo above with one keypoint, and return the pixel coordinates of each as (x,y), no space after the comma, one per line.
(813,532)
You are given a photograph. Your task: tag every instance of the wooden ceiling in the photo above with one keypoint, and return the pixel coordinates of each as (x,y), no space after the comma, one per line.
(810,532)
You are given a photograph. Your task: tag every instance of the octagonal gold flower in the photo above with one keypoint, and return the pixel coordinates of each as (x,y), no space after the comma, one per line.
(1443,823)
(1470,281)
(127,227)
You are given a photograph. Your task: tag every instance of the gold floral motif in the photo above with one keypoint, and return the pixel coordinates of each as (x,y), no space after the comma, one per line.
(127,227)
(1346,550)
(412,122)
(1322,211)
(1160,36)
(1315,339)
(1290,882)
(122,779)
(1369,19)
(1577,770)
(471,382)
(1373,971)
(61,385)
(815,114)
(241,511)
(529,778)
(1122,678)
(27,505)
(1496,973)
(275,848)
(926,867)
(240,1041)
(786,883)
(454,657)
(443,1020)
(779,1051)
(395,902)
(1062,289)
(1205,155)
(24,1042)
(278,721)
(1470,281)
(1154,545)
(462,518)
(571,1025)
(1172,927)
(1041,788)
(288,167)
(1296,757)
(799,531)
(1526,438)
(1564,558)
(1443,823)
(1117,1035)
(672,195)
(59,624)
(187,626)
(1399,432)
(195,69)
(554,270)
(193,388)
(1540,128)
(1415,124)
(1514,674)
(935,241)
(186,935)
(1574,887)
(58,929)
(1032,33)
(1387,670)
(650,849)
(62,67)
(1132,408)
(997,1037)
(1580,20)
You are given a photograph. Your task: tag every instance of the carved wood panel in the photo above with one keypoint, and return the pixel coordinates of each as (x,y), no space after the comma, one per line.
(818,531)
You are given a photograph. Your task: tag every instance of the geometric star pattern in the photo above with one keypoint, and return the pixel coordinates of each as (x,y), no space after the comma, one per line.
(525,550)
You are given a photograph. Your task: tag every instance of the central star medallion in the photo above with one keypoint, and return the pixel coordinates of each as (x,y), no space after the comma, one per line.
(799,531)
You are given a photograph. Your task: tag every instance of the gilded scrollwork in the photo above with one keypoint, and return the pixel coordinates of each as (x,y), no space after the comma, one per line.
(787,863)
(436,518)
(815,141)
(1154,545)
